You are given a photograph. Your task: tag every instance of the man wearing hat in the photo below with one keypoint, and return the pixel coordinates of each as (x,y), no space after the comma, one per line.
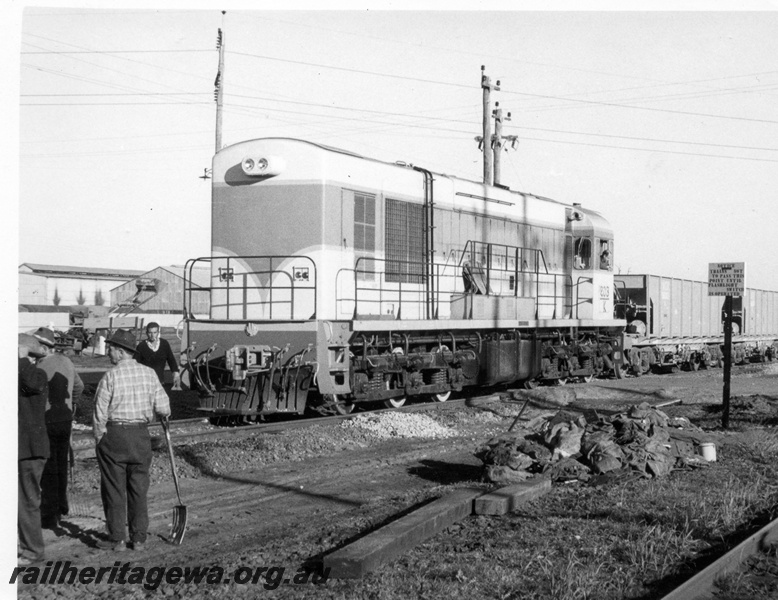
(128,398)
(33,450)
(64,386)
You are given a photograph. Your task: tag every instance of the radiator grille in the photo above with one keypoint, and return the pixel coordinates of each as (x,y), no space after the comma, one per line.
(404,242)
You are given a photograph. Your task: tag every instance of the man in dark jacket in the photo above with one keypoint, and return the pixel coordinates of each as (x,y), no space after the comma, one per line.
(64,386)
(155,352)
(33,450)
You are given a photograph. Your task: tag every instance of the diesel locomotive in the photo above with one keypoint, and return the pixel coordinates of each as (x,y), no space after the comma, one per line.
(336,279)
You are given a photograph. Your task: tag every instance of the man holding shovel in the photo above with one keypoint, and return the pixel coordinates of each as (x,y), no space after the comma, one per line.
(128,398)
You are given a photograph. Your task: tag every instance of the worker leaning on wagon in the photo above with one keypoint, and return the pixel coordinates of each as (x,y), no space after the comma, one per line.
(155,352)
(33,450)
(64,386)
(128,398)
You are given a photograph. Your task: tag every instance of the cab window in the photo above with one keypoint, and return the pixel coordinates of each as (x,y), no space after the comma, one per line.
(605,254)
(583,253)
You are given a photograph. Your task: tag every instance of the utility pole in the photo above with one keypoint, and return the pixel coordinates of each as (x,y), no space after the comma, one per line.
(487,87)
(497,144)
(219,86)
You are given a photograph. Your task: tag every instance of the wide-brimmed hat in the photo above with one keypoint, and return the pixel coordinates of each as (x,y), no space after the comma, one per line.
(33,345)
(45,336)
(123,338)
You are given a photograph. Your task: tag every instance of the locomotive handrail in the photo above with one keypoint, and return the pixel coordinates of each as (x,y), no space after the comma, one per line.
(555,279)
(582,279)
(228,273)
(377,291)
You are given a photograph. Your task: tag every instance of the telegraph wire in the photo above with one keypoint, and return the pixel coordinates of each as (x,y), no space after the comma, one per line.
(369,111)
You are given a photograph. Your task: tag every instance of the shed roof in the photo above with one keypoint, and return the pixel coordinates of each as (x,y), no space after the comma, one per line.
(70,271)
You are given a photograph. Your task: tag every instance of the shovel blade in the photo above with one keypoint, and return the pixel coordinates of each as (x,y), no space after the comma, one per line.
(178,529)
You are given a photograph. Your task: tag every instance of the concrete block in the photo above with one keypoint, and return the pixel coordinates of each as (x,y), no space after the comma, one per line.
(508,499)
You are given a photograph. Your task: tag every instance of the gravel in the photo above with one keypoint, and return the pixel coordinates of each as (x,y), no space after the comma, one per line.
(397,425)
(219,457)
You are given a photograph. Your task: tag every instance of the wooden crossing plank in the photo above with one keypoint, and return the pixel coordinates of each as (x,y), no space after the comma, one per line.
(508,499)
(380,546)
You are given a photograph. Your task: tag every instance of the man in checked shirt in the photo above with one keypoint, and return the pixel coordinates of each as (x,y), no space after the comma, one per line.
(128,398)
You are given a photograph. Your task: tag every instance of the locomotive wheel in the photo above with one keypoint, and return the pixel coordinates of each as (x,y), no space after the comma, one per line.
(394,402)
(341,407)
(441,397)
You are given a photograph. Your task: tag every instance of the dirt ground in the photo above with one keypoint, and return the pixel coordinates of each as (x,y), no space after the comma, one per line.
(288,499)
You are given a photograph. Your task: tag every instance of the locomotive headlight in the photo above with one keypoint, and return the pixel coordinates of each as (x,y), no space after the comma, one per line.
(262,166)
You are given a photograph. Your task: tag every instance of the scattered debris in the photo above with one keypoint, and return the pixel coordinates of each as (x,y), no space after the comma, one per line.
(569,447)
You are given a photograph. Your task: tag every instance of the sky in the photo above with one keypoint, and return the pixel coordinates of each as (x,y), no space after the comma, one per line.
(663,121)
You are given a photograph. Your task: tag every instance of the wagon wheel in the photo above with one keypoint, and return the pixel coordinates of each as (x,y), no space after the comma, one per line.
(645,362)
(394,402)
(635,357)
(621,370)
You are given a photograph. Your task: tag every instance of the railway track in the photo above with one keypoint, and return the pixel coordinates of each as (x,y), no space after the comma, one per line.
(703,585)
(198,429)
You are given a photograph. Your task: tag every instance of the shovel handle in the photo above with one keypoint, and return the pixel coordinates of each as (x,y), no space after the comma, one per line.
(166,429)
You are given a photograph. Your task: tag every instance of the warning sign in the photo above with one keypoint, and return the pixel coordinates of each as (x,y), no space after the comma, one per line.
(726,279)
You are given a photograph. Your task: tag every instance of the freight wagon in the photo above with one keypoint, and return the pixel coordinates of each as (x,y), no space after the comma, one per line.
(674,323)
(336,280)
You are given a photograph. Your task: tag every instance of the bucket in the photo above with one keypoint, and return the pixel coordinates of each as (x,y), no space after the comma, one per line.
(708,451)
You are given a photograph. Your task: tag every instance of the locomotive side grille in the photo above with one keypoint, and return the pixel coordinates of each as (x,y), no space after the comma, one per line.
(404,242)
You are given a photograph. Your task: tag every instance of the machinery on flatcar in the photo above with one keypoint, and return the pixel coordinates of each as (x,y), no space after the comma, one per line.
(674,324)
(338,280)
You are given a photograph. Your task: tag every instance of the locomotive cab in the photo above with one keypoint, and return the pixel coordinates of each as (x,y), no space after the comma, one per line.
(590,240)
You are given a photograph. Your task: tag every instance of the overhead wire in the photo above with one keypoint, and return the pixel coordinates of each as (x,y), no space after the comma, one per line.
(402,124)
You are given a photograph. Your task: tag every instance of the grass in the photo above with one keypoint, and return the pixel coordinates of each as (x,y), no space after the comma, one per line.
(636,540)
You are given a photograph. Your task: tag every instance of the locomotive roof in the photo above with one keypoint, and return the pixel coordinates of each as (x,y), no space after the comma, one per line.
(398,164)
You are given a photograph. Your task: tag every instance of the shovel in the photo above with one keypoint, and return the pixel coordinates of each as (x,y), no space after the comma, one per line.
(178,529)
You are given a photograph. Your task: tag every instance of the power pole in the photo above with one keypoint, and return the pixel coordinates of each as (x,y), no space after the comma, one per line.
(219,87)
(497,143)
(487,87)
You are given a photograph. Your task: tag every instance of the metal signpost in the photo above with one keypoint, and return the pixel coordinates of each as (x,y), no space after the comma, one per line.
(727,279)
